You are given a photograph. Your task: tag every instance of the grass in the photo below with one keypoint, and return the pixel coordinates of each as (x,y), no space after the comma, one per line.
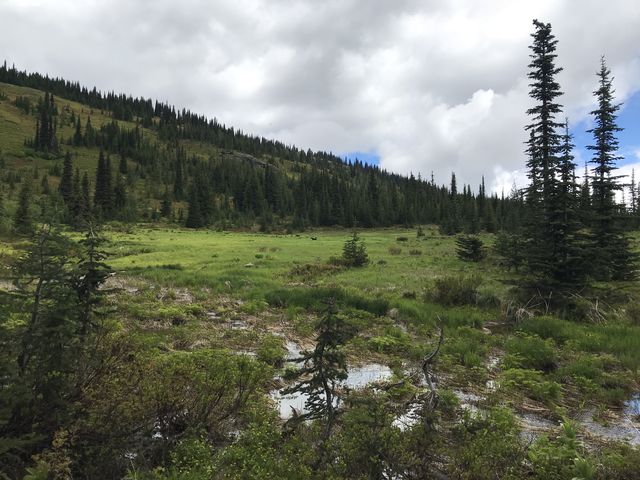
(244,291)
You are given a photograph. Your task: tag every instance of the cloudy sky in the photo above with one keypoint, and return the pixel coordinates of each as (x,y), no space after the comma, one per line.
(416,85)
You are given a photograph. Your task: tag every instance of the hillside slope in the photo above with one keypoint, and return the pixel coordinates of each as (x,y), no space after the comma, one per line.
(168,161)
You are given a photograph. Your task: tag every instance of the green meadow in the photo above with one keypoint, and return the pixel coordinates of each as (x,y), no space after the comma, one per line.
(185,289)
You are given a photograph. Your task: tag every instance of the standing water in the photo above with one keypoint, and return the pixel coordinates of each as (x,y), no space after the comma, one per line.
(358,377)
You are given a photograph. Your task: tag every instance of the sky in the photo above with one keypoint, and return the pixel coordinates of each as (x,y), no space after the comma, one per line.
(417,86)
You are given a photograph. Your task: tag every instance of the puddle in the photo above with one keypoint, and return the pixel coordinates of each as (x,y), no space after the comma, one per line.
(288,403)
(491,385)
(632,407)
(293,350)
(468,401)
(624,429)
(359,377)
(532,426)
(237,325)
(493,363)
(407,420)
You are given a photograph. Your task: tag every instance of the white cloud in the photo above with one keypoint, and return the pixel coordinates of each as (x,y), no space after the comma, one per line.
(429,86)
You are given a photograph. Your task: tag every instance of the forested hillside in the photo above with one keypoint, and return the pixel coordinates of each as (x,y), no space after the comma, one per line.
(182,167)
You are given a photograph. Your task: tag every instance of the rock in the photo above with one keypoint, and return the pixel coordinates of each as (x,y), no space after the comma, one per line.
(249,265)
(393,313)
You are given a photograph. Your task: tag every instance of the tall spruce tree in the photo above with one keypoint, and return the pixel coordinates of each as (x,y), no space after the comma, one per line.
(22,218)
(570,245)
(66,180)
(547,233)
(611,252)
(103,195)
(194,218)
(86,195)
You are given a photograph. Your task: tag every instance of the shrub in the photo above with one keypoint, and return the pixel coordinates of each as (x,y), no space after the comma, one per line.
(530,352)
(510,248)
(316,299)
(489,447)
(456,290)
(532,384)
(271,350)
(415,252)
(469,248)
(561,458)
(354,252)
(420,232)
(402,239)
(393,250)
(633,313)
(466,347)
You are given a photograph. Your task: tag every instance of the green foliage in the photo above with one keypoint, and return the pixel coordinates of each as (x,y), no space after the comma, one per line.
(315,299)
(531,352)
(488,447)
(177,395)
(532,384)
(367,445)
(322,369)
(619,462)
(192,458)
(22,218)
(469,248)
(262,452)
(271,350)
(467,347)
(456,290)
(609,250)
(354,252)
(50,349)
(511,248)
(561,458)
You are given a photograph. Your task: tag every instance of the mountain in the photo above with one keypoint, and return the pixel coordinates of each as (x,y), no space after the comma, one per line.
(186,168)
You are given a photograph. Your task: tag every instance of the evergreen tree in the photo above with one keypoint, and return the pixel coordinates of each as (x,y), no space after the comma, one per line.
(469,248)
(89,134)
(66,181)
(44,184)
(194,216)
(323,369)
(86,196)
(120,195)
(633,193)
(91,272)
(611,252)
(165,206)
(22,219)
(59,295)
(122,166)
(77,210)
(354,252)
(548,230)
(585,197)
(77,135)
(178,185)
(570,254)
(103,195)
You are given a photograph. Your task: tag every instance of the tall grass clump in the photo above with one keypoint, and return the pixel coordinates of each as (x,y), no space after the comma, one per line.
(456,290)
(316,298)
(526,351)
